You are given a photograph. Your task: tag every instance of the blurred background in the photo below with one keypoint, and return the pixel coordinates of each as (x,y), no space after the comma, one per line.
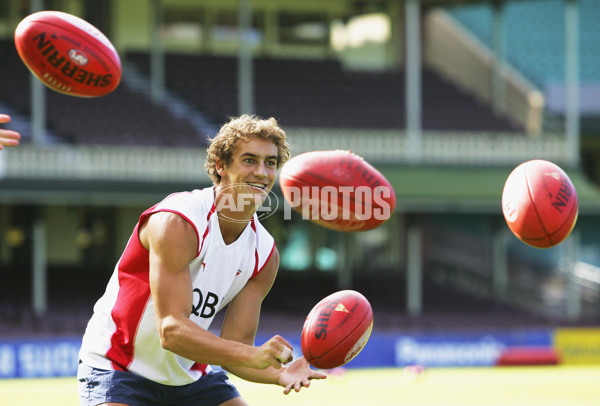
(444,97)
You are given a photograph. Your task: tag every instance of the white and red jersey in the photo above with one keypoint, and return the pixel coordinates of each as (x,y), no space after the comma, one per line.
(122,333)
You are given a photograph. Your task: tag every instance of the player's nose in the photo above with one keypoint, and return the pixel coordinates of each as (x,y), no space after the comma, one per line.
(261,170)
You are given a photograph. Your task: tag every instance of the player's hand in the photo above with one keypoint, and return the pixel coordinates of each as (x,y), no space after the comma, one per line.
(298,375)
(8,138)
(271,352)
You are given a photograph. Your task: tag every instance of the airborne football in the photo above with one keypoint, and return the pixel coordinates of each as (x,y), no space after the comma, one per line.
(338,190)
(68,54)
(539,203)
(337,329)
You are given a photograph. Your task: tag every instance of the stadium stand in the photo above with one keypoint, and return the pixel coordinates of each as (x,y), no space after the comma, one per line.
(73,294)
(321,94)
(124,117)
(535,36)
(300,93)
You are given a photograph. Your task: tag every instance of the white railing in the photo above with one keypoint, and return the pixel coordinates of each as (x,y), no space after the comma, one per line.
(179,164)
(104,163)
(455,148)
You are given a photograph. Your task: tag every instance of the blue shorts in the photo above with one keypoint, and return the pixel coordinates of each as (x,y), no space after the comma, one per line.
(97,386)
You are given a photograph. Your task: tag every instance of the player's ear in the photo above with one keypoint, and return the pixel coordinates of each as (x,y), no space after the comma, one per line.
(220,167)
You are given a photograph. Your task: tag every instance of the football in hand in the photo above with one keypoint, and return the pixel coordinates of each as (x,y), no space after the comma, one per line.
(539,203)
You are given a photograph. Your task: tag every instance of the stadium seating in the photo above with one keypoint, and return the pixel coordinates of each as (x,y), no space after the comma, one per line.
(71,296)
(444,306)
(73,292)
(124,117)
(300,93)
(535,36)
(321,94)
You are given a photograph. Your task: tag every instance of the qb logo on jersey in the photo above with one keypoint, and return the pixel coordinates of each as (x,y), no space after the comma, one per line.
(204,308)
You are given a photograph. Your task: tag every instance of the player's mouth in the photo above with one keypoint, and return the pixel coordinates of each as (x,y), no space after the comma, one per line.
(257,185)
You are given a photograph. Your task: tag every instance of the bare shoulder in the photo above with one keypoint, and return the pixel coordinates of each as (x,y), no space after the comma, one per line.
(273,262)
(167,228)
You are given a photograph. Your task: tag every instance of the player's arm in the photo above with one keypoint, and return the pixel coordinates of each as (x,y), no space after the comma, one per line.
(8,138)
(172,244)
(241,323)
(241,320)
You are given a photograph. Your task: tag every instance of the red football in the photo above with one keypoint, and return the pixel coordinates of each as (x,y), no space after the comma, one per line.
(337,329)
(539,203)
(338,190)
(68,54)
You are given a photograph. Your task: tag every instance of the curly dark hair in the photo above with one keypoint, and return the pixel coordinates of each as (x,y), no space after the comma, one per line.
(243,127)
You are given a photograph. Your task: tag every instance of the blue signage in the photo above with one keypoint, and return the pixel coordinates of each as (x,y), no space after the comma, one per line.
(39,358)
(53,357)
(464,349)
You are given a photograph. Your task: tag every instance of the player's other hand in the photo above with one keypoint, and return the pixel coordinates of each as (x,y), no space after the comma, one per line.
(298,375)
(8,138)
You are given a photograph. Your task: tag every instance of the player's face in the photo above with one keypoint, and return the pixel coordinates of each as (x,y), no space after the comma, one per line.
(252,170)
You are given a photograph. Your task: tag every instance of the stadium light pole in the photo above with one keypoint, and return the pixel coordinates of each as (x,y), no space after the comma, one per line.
(39,270)
(500,262)
(414,269)
(498,83)
(414,143)
(157,57)
(245,71)
(38,95)
(572,81)
(40,275)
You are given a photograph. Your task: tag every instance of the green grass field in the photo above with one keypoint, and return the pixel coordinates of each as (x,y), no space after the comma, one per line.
(526,386)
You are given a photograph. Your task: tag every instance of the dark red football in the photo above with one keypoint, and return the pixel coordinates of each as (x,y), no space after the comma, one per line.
(337,329)
(68,54)
(338,190)
(539,203)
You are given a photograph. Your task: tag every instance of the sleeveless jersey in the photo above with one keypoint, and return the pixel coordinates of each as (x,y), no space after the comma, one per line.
(122,333)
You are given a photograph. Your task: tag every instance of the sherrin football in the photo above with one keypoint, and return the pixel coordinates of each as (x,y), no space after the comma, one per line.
(337,329)
(539,203)
(338,190)
(68,54)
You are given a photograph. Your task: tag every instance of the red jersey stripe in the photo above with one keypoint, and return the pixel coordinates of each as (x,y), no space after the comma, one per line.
(131,301)
(257,271)
(210,212)
(199,367)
